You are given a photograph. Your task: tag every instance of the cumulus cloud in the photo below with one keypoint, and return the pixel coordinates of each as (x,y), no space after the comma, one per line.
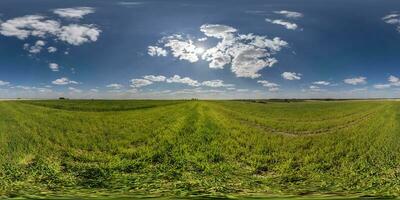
(156,51)
(216,83)
(4,83)
(321,83)
(246,53)
(289,14)
(51,49)
(137,83)
(393,80)
(76,34)
(73,13)
(29,25)
(272,87)
(39,26)
(54,67)
(183,80)
(63,81)
(286,24)
(291,76)
(155,78)
(114,86)
(181,48)
(356,80)
(36,48)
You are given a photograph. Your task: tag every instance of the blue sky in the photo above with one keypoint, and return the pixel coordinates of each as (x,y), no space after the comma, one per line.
(205,49)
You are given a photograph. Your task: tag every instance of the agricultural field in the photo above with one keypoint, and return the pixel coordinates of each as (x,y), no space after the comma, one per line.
(96,148)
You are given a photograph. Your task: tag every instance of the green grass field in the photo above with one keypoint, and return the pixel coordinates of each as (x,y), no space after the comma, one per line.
(199,148)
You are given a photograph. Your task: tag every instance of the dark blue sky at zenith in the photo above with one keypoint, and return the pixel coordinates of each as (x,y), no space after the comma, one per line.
(205,49)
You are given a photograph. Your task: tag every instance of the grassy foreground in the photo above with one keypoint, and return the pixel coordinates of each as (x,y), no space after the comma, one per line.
(190,148)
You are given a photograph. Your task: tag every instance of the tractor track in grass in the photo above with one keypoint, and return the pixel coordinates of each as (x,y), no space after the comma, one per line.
(347,124)
(318,132)
(294,120)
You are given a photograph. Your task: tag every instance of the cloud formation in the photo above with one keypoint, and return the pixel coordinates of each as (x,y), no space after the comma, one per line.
(63,81)
(183,80)
(216,84)
(356,80)
(138,83)
(115,86)
(54,67)
(289,14)
(286,24)
(393,81)
(40,26)
(321,83)
(73,13)
(291,76)
(156,51)
(246,53)
(155,78)
(393,19)
(36,48)
(272,87)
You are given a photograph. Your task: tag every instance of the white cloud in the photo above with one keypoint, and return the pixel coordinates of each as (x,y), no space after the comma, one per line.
(286,24)
(137,83)
(156,51)
(184,80)
(63,81)
(272,87)
(267,84)
(321,83)
(72,89)
(39,26)
(289,14)
(216,83)
(382,86)
(51,49)
(94,90)
(393,19)
(29,25)
(291,76)
(356,80)
(54,67)
(73,13)
(37,48)
(115,86)
(315,88)
(155,78)
(202,39)
(4,83)
(395,81)
(76,34)
(247,54)
(181,48)
(217,30)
